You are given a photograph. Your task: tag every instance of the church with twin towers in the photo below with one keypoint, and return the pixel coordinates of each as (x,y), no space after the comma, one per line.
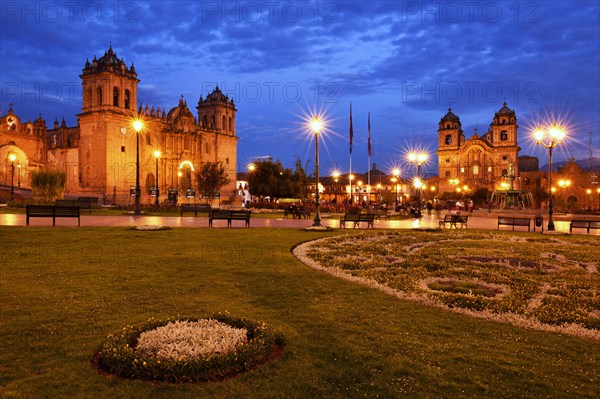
(99,153)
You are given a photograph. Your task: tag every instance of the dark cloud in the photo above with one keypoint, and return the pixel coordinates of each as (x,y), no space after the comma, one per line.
(406,62)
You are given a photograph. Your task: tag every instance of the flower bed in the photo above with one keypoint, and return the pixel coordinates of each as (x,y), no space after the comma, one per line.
(533,281)
(187,350)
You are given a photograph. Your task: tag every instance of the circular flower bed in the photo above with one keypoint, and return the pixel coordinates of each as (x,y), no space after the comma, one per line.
(187,350)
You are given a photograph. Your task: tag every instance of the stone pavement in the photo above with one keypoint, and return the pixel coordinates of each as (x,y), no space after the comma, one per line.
(476,221)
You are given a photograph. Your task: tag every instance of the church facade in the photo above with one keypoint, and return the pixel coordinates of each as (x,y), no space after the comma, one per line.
(99,155)
(479,161)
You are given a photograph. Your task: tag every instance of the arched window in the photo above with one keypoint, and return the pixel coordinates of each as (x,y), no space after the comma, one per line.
(223,126)
(230,126)
(503,135)
(99,95)
(89,101)
(127,99)
(116,96)
(448,139)
(212,122)
(148,140)
(204,121)
(475,169)
(448,126)
(447,174)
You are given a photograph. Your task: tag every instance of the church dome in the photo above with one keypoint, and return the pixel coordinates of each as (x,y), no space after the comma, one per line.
(505,110)
(450,117)
(217,96)
(180,110)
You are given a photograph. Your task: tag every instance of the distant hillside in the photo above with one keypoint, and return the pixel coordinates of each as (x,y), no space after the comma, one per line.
(584,163)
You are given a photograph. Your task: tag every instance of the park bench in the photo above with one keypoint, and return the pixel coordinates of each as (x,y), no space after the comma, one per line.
(194,208)
(512,221)
(449,221)
(86,203)
(356,218)
(379,214)
(229,215)
(296,212)
(52,211)
(584,224)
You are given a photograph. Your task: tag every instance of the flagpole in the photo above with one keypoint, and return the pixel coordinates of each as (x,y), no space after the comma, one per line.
(350,175)
(369,161)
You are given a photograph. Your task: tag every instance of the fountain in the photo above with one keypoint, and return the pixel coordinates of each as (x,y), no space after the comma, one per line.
(511,198)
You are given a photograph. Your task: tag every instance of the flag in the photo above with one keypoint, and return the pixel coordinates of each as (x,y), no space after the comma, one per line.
(351,130)
(369,141)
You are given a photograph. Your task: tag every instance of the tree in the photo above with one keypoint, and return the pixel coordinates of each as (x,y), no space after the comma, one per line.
(300,180)
(210,178)
(481,196)
(270,179)
(48,185)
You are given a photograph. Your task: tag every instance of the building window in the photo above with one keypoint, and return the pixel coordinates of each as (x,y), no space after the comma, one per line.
(122,148)
(204,121)
(448,139)
(127,99)
(475,170)
(226,161)
(99,96)
(503,135)
(116,97)
(207,148)
(504,158)
(489,168)
(223,123)
(447,174)
(230,126)
(447,160)
(148,140)
(462,170)
(504,172)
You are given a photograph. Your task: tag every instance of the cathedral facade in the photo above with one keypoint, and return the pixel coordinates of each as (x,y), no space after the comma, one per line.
(479,161)
(99,155)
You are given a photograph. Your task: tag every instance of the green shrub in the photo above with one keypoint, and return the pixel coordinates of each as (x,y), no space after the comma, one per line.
(48,185)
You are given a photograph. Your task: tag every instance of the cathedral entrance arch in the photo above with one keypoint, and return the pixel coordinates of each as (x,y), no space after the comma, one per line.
(186,169)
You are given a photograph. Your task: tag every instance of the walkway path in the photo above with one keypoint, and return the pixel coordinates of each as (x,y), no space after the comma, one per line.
(488,222)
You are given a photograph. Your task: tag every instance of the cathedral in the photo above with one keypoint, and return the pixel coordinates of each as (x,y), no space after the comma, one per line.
(99,154)
(479,161)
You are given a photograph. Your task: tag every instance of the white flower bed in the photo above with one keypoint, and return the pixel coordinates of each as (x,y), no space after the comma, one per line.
(184,339)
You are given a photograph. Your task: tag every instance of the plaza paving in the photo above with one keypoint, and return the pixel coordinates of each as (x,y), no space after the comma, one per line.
(476,221)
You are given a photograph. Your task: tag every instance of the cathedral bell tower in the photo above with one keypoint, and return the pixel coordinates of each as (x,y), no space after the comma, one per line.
(504,128)
(107,142)
(450,134)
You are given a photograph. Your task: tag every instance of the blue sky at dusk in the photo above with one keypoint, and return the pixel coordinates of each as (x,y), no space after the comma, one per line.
(405,62)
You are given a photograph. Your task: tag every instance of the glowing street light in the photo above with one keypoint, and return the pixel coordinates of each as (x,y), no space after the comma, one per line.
(316,126)
(395,179)
(550,139)
(138,125)
(418,159)
(157,156)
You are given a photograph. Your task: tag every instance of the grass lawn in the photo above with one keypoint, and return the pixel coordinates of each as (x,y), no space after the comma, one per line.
(62,290)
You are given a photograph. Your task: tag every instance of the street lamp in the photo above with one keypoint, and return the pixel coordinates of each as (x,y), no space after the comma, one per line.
(12,158)
(19,174)
(395,179)
(336,177)
(418,159)
(157,201)
(316,126)
(550,139)
(137,126)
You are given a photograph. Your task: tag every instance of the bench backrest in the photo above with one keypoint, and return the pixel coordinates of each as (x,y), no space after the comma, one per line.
(66,210)
(39,209)
(369,217)
(503,220)
(217,213)
(352,216)
(239,214)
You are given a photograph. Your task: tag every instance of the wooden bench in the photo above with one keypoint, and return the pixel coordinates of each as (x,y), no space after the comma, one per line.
(379,214)
(52,211)
(511,221)
(449,221)
(356,218)
(229,215)
(194,208)
(87,205)
(584,224)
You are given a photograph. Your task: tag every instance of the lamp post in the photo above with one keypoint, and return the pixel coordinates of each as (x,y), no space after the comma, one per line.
(315,125)
(12,158)
(550,139)
(418,159)
(19,174)
(336,177)
(395,179)
(137,125)
(157,201)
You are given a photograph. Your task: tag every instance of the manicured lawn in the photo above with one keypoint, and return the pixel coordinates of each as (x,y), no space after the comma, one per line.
(62,290)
